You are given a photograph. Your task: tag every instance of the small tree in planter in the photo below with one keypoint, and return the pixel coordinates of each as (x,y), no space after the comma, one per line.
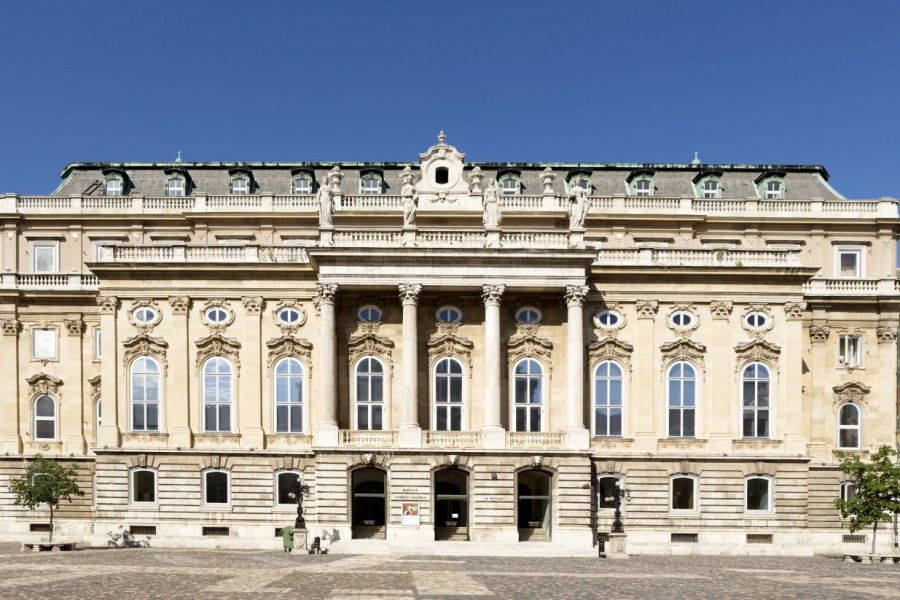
(45,482)
(877,496)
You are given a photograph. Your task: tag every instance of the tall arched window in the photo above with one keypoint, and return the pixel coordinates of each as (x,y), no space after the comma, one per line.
(755,394)
(528,395)
(608,399)
(369,394)
(288,396)
(848,427)
(682,393)
(448,395)
(44,418)
(144,394)
(217,395)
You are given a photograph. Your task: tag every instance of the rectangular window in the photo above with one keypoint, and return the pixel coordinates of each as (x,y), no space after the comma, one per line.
(773,190)
(175,187)
(850,263)
(849,350)
(44,257)
(710,189)
(642,187)
(43,343)
(98,344)
(113,187)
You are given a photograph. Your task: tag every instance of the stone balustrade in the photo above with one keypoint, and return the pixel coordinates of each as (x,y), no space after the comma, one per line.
(203,254)
(672,257)
(50,281)
(452,439)
(529,439)
(256,203)
(851,287)
(367,438)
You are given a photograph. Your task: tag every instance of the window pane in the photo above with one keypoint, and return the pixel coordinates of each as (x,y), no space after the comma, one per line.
(688,422)
(849,415)
(762,423)
(456,389)
(144,486)
(600,422)
(296,418)
(362,388)
(286,481)
(849,438)
(688,397)
(44,407)
(749,393)
(362,417)
(217,488)
(455,418)
(45,430)
(536,391)
(137,417)
(224,417)
(674,422)
(521,390)
(748,423)
(763,393)
(441,418)
(520,418)
(281,418)
(757,494)
(683,493)
(535,418)
(153,417)
(615,392)
(848,264)
(615,421)
(209,418)
(606,492)
(440,389)
(377,391)
(376,418)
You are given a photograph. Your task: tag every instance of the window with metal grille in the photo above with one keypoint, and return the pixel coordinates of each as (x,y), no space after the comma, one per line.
(39,527)
(759,538)
(854,538)
(216,531)
(684,538)
(142,529)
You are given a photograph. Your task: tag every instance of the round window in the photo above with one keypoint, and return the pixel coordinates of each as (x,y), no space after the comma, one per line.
(216,314)
(608,318)
(682,319)
(369,314)
(528,315)
(757,320)
(144,314)
(289,315)
(449,314)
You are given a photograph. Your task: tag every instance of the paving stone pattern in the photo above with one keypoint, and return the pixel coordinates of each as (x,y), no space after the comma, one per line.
(217,574)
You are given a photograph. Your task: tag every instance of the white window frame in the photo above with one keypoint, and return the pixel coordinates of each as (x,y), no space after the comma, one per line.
(682,407)
(447,406)
(758,314)
(35,418)
(113,179)
(218,403)
(636,186)
(857,427)
(755,407)
(98,417)
(214,310)
(176,191)
(132,488)
(385,425)
(684,315)
(292,505)
(44,245)
(98,343)
(608,406)
(696,494)
(770,499)
(704,192)
(513,190)
(310,184)
(371,190)
(288,309)
(620,481)
(849,250)
(204,500)
(845,490)
(54,355)
(448,308)
(278,401)
(542,381)
(846,357)
(159,399)
(138,314)
(608,313)
(240,190)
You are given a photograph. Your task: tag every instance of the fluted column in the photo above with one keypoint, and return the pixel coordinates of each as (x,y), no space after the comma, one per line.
(410,430)
(577,437)
(493,433)
(326,431)
(109,430)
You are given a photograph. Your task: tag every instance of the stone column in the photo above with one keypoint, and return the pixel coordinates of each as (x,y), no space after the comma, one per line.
(326,430)
(10,436)
(577,436)
(796,403)
(493,433)
(410,430)
(250,422)
(110,434)
(821,411)
(178,388)
(644,412)
(882,430)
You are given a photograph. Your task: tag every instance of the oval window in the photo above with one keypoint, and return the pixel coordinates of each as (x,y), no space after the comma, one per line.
(369,314)
(289,315)
(608,318)
(216,314)
(144,314)
(682,319)
(757,320)
(528,315)
(449,314)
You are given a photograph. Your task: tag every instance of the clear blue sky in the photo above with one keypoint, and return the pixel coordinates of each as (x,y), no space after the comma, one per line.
(755,81)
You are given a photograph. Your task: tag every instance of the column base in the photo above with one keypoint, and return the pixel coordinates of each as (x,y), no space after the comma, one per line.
(181,437)
(578,438)
(409,436)
(326,435)
(109,436)
(253,437)
(11,444)
(615,546)
(409,235)
(326,236)
(493,237)
(74,444)
(493,438)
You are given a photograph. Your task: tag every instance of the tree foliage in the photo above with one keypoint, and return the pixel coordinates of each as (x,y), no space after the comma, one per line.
(45,482)
(877,497)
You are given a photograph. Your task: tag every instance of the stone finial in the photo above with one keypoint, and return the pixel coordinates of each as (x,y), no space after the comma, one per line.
(491,294)
(178,158)
(794,309)
(547,178)
(576,295)
(696,160)
(335,177)
(442,139)
(819,333)
(720,309)
(475,178)
(646,309)
(409,293)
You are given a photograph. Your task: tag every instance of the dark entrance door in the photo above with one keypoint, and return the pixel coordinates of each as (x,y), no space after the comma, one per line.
(533,503)
(369,516)
(451,505)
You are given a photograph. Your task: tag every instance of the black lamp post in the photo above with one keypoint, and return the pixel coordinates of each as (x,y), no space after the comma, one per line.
(620,494)
(297,492)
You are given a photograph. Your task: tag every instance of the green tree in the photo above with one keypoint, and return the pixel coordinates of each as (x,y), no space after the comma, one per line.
(877,497)
(45,482)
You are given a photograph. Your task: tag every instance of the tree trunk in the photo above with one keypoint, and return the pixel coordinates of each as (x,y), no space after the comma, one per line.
(51,523)
(874,531)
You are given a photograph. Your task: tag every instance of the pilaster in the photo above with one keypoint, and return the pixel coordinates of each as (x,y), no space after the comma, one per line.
(71,414)
(795,403)
(10,436)
(721,417)
(110,433)
(178,391)
(644,412)
(250,399)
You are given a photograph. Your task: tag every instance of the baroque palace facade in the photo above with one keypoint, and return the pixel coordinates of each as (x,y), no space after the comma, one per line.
(448,353)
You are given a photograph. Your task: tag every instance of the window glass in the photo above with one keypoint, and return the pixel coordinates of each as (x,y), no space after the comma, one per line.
(98,344)
(849,350)
(682,319)
(98,417)
(848,490)
(369,314)
(145,394)
(143,486)
(449,314)
(758,494)
(509,185)
(755,387)
(217,315)
(756,320)
(683,493)
(448,395)
(608,399)
(217,390)
(710,188)
(849,263)
(175,186)
(528,395)
(288,396)
(286,481)
(113,186)
(216,487)
(608,318)
(773,190)
(240,185)
(607,485)
(369,394)
(144,314)
(370,184)
(682,400)
(44,257)
(643,187)
(848,427)
(289,315)
(528,316)
(43,343)
(44,418)
(302,184)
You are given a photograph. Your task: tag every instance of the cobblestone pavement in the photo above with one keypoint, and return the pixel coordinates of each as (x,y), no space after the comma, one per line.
(218,574)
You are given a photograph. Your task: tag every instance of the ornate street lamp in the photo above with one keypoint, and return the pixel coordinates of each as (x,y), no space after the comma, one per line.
(619,495)
(297,492)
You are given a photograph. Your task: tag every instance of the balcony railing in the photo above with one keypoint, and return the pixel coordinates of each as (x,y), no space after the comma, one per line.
(73,282)
(852,287)
(368,439)
(453,439)
(203,254)
(523,439)
(667,257)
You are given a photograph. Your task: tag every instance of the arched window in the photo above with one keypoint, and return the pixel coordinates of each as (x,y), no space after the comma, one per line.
(371,184)
(607,486)
(848,490)
(608,399)
(144,394)
(44,418)
(143,486)
(709,187)
(509,184)
(288,396)
(755,393)
(528,395)
(113,185)
(758,494)
(240,184)
(217,395)
(448,395)
(302,183)
(848,427)
(369,394)
(683,493)
(642,186)
(176,185)
(284,483)
(216,484)
(682,393)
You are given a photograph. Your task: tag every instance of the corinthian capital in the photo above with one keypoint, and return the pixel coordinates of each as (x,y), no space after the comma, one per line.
(575,295)
(325,293)
(491,294)
(409,293)
(107,304)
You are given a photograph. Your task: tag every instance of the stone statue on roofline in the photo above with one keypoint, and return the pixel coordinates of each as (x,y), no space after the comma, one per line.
(326,206)
(409,200)
(579,205)
(493,213)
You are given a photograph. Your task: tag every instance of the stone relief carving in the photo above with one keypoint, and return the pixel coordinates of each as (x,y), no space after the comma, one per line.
(325,294)
(216,344)
(683,331)
(526,344)
(253,305)
(42,383)
(886,335)
(611,349)
(613,329)
(720,309)
(475,179)
(144,344)
(285,326)
(107,304)
(75,327)
(335,177)
(819,333)
(537,460)
(851,391)
(95,385)
(646,309)
(409,199)
(446,342)
(180,304)
(11,326)
(757,350)
(491,294)
(148,325)
(370,344)
(288,345)
(453,460)
(576,295)
(368,458)
(794,309)
(409,293)
(493,213)
(683,349)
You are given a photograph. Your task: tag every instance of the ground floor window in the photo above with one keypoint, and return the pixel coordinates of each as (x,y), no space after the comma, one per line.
(143,486)
(533,504)
(285,482)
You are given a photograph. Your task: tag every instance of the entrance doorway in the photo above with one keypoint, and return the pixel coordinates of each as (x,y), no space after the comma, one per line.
(533,504)
(451,505)
(369,517)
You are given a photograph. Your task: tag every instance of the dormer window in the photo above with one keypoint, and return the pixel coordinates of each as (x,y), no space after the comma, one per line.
(509,184)
(581,180)
(175,185)
(770,186)
(114,185)
(709,188)
(302,184)
(240,184)
(643,186)
(774,190)
(371,184)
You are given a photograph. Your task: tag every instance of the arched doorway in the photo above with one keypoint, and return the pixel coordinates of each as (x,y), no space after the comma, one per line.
(533,503)
(451,505)
(369,506)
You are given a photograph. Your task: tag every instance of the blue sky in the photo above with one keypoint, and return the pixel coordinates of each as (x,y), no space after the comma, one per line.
(758,81)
